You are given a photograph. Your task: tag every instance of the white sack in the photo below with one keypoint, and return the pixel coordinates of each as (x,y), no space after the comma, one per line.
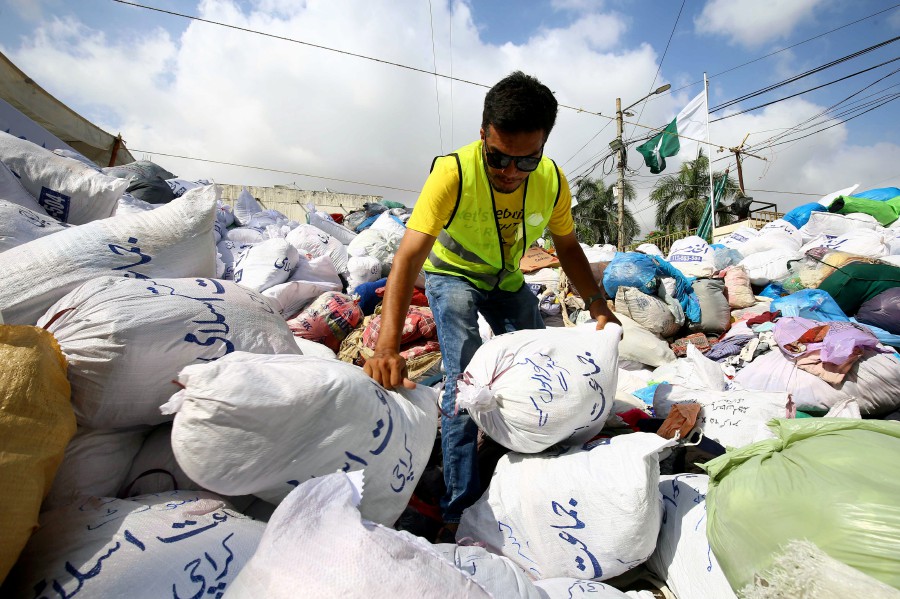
(738,238)
(873,381)
(266,264)
(68,190)
(692,256)
(128,204)
(126,340)
(225,214)
(310,240)
(96,463)
(245,207)
(309,347)
(19,225)
(178,544)
(573,588)
(640,345)
(318,545)
(388,223)
(831,224)
(362,269)
(311,278)
(731,418)
(694,371)
(180,186)
(254,424)
(649,249)
(778,234)
(498,575)
(862,242)
(174,240)
(154,468)
(378,244)
(531,389)
(244,235)
(648,311)
(683,557)
(597,256)
(769,265)
(12,191)
(583,514)
(338,231)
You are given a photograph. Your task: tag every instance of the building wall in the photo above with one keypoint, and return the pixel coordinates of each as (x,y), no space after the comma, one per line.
(294,203)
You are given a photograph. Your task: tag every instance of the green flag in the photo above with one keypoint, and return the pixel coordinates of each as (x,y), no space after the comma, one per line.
(665,143)
(689,123)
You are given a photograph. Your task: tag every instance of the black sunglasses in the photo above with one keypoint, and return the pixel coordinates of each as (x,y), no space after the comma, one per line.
(499,160)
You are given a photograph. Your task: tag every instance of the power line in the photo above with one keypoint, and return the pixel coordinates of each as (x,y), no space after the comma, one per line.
(807,90)
(813,71)
(776,52)
(437,95)
(661,60)
(321,47)
(274,170)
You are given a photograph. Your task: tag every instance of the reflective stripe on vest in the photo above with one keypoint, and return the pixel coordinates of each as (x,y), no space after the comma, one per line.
(470,245)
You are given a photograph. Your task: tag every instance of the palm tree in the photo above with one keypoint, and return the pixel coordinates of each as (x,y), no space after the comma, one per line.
(680,199)
(597,212)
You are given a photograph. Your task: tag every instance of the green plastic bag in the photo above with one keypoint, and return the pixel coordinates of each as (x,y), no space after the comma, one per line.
(855,283)
(885,212)
(832,481)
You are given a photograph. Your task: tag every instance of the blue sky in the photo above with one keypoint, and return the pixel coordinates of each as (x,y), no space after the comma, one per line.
(181,87)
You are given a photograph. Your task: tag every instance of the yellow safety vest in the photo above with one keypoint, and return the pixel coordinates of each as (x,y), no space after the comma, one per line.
(470,245)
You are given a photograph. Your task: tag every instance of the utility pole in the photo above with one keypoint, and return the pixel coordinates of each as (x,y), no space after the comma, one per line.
(618,146)
(620,184)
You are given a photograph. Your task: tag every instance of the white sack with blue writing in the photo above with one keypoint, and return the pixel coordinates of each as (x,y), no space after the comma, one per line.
(589,513)
(11,190)
(19,225)
(310,278)
(498,575)
(265,264)
(177,544)
(316,242)
(262,424)
(127,339)
(531,389)
(70,191)
(573,588)
(317,544)
(731,418)
(175,240)
(683,557)
(692,256)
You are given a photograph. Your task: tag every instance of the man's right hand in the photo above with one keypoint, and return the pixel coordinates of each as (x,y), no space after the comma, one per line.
(388,368)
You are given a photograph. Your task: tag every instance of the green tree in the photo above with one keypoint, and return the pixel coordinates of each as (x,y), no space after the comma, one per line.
(680,199)
(597,212)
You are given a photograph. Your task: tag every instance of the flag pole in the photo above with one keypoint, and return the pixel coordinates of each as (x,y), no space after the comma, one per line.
(712,206)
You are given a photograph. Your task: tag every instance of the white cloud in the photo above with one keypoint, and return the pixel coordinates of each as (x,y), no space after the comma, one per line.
(33,10)
(751,23)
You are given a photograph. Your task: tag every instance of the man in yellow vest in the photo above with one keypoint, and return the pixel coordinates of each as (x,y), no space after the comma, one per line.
(479,211)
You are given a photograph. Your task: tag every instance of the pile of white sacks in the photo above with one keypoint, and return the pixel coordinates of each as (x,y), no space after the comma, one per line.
(218,454)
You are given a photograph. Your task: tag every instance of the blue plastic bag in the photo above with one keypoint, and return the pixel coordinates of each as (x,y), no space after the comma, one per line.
(799,216)
(774,290)
(684,288)
(880,194)
(630,269)
(814,304)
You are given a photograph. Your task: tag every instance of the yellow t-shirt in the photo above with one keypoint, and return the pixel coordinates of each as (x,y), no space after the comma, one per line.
(438,198)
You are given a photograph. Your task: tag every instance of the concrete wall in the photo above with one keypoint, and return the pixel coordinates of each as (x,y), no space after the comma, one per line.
(293,202)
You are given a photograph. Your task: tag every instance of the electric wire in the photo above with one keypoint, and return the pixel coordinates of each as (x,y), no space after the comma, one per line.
(437,95)
(273,170)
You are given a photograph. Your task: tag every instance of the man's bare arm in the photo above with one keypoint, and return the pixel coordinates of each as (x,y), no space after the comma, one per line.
(575,264)
(386,366)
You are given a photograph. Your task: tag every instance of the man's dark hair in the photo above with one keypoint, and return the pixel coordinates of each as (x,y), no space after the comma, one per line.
(519,103)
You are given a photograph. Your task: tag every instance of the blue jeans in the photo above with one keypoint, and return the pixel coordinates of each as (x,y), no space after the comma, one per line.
(455,304)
